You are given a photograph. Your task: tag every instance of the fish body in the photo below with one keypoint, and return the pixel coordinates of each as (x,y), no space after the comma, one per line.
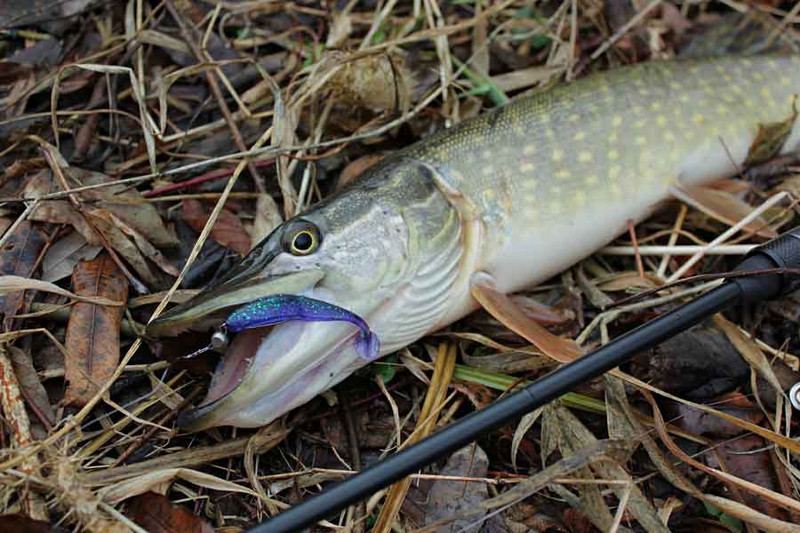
(516,194)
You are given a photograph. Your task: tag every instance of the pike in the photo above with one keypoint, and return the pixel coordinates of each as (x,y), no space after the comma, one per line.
(474,213)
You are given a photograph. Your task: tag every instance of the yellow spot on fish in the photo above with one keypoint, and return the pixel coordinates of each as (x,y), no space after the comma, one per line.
(579,198)
(720,69)
(616,190)
(591,179)
(558,154)
(579,136)
(758,76)
(640,141)
(675,85)
(661,120)
(765,92)
(613,155)
(555,207)
(487,154)
(545,118)
(613,172)
(684,98)
(722,110)
(640,124)
(637,109)
(488,170)
(562,174)
(549,133)
(585,157)
(749,103)
(616,121)
(785,81)
(655,106)
(574,117)
(526,167)
(669,137)
(698,118)
(529,149)
(613,137)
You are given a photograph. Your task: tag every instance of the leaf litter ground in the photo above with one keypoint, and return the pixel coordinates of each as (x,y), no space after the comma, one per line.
(147,145)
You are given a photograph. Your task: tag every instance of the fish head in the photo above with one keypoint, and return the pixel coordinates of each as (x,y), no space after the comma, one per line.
(362,251)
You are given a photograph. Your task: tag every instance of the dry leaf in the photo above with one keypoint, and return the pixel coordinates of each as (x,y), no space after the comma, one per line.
(524,425)
(19,523)
(10,284)
(30,384)
(104,222)
(749,458)
(18,257)
(447,498)
(227,230)
(93,331)
(112,212)
(156,514)
(161,478)
(64,254)
(268,217)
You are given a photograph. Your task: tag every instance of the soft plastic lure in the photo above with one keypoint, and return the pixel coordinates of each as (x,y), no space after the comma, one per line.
(279,308)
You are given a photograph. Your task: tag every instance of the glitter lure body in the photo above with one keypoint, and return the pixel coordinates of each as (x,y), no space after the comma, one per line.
(280,308)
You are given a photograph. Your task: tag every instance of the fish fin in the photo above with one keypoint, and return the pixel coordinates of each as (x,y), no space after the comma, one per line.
(503,308)
(723,206)
(542,313)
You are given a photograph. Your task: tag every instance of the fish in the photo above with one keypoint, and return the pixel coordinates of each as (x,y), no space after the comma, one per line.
(476,212)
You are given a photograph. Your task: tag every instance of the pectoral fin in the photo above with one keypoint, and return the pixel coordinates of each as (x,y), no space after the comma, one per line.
(502,307)
(723,206)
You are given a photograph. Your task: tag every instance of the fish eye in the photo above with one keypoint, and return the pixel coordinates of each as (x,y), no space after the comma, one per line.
(303,241)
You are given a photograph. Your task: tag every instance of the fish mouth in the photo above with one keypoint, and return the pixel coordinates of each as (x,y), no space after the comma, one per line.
(267,371)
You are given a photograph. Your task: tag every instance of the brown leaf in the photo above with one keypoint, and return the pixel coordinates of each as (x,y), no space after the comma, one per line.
(268,217)
(156,514)
(64,254)
(93,331)
(112,211)
(20,523)
(127,205)
(702,423)
(448,498)
(104,222)
(31,386)
(749,458)
(18,257)
(227,230)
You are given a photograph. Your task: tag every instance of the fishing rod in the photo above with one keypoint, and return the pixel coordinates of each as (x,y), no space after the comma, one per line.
(769,264)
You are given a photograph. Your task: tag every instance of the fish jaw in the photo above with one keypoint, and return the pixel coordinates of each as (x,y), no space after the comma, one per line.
(207,308)
(267,372)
